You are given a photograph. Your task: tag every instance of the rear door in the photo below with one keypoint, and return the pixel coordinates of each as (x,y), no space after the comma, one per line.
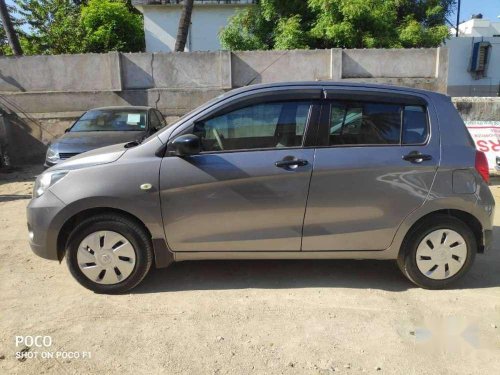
(377,157)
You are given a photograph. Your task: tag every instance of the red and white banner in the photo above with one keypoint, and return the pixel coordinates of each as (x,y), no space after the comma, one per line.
(486,135)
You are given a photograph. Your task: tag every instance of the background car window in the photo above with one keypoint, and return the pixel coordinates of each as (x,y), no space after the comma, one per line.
(111,120)
(154,120)
(365,124)
(265,125)
(414,125)
(161,118)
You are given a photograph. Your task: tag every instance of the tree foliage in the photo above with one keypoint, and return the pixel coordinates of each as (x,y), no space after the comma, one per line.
(290,24)
(4,43)
(52,26)
(110,26)
(80,26)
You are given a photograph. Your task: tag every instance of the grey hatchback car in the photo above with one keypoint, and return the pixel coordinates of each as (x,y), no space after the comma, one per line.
(300,170)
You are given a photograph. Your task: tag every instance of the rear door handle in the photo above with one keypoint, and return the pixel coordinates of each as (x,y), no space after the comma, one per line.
(416,157)
(291,163)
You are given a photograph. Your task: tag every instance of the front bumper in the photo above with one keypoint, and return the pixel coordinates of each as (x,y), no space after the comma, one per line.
(43,230)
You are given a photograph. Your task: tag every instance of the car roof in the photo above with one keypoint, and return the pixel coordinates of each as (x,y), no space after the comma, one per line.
(333,84)
(127,107)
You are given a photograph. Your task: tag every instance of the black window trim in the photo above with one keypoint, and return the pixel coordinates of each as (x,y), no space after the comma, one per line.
(281,93)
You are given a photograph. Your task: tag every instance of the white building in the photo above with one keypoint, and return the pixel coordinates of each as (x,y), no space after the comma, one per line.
(474,59)
(161,21)
(478,27)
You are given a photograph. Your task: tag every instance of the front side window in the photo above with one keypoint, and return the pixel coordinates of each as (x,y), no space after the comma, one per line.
(111,120)
(258,126)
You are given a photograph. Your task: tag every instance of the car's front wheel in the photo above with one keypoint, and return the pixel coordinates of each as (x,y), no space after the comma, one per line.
(109,253)
(438,252)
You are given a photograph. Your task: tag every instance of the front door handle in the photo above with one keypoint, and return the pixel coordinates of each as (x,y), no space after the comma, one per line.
(291,163)
(416,157)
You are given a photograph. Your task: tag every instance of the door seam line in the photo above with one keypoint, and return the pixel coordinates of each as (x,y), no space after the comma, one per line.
(307,200)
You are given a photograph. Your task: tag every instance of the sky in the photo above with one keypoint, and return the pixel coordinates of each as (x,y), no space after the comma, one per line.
(489,8)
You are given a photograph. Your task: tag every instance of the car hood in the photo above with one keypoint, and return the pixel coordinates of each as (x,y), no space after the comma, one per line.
(102,155)
(78,142)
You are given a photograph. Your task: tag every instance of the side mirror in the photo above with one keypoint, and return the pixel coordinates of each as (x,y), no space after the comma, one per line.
(185,145)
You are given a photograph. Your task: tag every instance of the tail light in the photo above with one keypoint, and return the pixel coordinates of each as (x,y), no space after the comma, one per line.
(482,166)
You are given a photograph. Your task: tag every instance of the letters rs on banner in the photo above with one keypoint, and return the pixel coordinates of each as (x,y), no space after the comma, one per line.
(486,135)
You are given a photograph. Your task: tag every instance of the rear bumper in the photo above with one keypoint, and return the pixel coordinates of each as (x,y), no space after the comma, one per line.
(42,231)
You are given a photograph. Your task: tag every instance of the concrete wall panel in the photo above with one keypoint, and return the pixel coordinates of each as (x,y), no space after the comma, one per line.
(60,73)
(389,63)
(279,66)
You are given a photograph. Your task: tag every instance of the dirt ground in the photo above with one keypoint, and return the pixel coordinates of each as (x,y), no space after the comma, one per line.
(272,317)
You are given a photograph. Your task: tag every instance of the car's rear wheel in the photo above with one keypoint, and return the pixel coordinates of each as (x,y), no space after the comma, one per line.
(438,252)
(109,253)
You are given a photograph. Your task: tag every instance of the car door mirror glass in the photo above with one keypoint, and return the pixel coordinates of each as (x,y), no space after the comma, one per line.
(185,145)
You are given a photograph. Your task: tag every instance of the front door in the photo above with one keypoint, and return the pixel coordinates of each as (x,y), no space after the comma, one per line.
(376,165)
(247,189)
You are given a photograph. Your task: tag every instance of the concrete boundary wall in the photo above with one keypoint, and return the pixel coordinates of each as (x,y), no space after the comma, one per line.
(44,94)
(221,69)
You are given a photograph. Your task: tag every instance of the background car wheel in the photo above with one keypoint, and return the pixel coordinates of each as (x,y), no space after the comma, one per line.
(438,252)
(109,253)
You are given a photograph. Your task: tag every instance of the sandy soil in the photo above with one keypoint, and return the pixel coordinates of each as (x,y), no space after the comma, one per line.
(273,317)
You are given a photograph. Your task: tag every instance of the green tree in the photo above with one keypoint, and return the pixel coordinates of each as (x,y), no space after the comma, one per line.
(109,25)
(9,32)
(281,24)
(80,26)
(52,26)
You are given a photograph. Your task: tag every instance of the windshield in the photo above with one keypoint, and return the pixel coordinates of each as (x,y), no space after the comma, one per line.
(111,120)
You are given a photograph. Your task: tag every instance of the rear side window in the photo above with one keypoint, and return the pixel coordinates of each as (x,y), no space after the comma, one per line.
(365,123)
(414,125)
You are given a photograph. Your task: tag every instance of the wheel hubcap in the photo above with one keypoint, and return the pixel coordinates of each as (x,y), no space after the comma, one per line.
(441,254)
(106,257)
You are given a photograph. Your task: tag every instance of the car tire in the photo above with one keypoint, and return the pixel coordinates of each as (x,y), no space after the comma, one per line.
(106,228)
(437,252)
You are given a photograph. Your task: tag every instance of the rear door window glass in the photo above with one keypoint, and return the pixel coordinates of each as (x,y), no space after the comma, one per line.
(414,125)
(365,123)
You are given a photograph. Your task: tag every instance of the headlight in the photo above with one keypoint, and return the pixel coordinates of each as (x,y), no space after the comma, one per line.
(46,180)
(52,155)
